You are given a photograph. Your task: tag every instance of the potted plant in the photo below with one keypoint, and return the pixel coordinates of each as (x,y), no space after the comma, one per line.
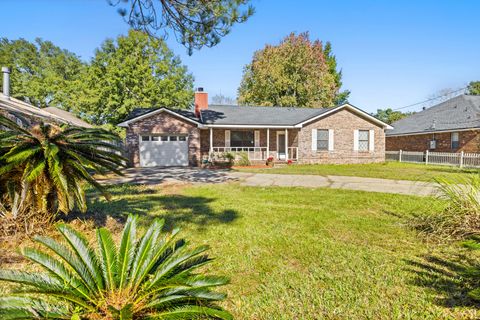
(269,161)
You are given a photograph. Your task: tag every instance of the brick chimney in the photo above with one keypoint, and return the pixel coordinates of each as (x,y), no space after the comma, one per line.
(201,101)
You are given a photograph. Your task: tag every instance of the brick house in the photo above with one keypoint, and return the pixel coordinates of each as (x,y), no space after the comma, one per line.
(451,126)
(168,137)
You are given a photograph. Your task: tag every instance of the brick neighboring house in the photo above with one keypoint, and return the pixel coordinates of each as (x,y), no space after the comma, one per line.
(168,137)
(451,126)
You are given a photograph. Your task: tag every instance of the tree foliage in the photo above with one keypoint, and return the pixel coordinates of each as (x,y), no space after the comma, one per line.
(389,116)
(152,277)
(473,88)
(133,71)
(41,73)
(224,100)
(297,72)
(194,23)
(45,168)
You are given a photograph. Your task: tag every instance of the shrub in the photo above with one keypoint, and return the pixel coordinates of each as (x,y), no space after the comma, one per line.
(44,169)
(152,277)
(460,218)
(242,159)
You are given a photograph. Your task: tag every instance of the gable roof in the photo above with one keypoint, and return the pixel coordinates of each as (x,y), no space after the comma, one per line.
(141,113)
(16,106)
(250,116)
(459,113)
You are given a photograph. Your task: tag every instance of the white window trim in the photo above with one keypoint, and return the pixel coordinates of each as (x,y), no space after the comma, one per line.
(371,140)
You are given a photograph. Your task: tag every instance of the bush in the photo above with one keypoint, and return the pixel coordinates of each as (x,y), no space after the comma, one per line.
(242,159)
(460,218)
(152,277)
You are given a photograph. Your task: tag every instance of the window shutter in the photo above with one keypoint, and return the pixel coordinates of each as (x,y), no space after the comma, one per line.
(355,140)
(257,138)
(330,139)
(227,138)
(314,139)
(371,141)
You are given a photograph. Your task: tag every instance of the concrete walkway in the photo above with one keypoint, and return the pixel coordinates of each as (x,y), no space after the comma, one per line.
(153,176)
(339,182)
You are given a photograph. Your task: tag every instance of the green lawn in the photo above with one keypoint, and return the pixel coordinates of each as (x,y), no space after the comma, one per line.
(297,253)
(387,170)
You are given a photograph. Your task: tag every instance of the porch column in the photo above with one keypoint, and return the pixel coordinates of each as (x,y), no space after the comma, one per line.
(211,140)
(286,144)
(268,142)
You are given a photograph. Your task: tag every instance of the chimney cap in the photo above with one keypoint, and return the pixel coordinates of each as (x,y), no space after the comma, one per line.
(200,89)
(5,69)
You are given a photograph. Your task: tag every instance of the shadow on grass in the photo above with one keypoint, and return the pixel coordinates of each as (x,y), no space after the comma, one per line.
(451,279)
(147,203)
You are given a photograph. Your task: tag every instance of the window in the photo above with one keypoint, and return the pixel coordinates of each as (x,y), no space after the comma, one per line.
(182,138)
(173,138)
(455,140)
(154,138)
(322,139)
(145,138)
(164,138)
(242,139)
(363,140)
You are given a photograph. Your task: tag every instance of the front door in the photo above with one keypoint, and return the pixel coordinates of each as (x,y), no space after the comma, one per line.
(281,146)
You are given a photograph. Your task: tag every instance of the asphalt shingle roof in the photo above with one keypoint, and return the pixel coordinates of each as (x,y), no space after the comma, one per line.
(461,112)
(246,115)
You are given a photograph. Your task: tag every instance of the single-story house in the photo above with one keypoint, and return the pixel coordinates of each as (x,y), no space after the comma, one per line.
(451,126)
(26,115)
(170,137)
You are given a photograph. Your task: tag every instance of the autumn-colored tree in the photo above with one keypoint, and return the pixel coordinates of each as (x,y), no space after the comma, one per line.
(297,72)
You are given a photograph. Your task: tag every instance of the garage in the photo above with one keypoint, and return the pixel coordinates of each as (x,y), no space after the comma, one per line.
(163,150)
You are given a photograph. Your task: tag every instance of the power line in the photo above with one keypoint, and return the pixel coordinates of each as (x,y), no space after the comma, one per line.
(431,99)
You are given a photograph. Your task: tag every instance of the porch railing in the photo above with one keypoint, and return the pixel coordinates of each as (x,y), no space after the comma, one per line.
(254,153)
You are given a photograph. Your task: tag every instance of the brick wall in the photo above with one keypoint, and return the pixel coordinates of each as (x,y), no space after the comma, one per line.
(162,123)
(469,141)
(344,122)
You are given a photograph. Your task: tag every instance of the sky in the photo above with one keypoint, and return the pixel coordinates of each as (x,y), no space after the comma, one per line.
(392,53)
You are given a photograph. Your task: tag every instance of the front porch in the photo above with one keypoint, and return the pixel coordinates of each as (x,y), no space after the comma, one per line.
(258,144)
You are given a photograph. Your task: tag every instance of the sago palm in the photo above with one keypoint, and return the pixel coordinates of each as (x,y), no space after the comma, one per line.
(51,164)
(152,277)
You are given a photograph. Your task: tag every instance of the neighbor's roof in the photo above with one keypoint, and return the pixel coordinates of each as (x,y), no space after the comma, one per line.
(69,117)
(53,114)
(249,116)
(459,113)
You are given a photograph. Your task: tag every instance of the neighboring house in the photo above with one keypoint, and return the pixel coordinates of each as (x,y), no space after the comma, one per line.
(26,115)
(168,137)
(451,126)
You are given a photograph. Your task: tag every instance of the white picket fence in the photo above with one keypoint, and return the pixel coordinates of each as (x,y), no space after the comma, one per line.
(461,159)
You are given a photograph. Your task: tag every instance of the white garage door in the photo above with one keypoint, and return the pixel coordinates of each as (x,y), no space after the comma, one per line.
(167,151)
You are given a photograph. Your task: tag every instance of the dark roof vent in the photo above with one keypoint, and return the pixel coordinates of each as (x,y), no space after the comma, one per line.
(424,108)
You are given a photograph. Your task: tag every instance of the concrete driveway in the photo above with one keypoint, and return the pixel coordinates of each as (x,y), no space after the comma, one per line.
(153,176)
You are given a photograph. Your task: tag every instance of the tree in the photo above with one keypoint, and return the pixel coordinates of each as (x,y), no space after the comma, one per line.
(297,72)
(134,71)
(221,99)
(152,277)
(194,23)
(42,73)
(473,88)
(389,116)
(47,166)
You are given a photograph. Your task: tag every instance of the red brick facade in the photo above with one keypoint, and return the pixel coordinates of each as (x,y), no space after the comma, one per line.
(162,123)
(469,141)
(343,123)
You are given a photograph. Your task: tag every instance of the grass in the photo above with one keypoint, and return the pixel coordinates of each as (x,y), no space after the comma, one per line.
(297,253)
(387,170)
